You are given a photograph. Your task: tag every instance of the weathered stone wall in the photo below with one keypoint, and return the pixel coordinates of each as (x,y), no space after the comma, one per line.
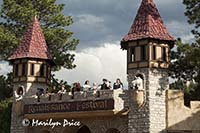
(16,121)
(138,118)
(17,107)
(179,116)
(151,117)
(158,84)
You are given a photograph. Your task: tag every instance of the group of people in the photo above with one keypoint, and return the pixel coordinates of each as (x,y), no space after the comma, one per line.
(106,85)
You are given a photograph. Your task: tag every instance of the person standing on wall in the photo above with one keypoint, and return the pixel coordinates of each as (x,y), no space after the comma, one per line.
(105,85)
(118,84)
(86,86)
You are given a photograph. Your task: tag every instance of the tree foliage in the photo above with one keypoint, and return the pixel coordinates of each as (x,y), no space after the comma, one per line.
(5,86)
(5,115)
(56,85)
(185,64)
(16,15)
(193,14)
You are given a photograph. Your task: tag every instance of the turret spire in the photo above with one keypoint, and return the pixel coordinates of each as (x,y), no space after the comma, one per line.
(147,24)
(33,44)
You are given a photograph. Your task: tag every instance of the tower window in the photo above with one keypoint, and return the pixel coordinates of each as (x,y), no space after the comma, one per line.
(143,52)
(132,55)
(164,54)
(47,73)
(16,70)
(32,69)
(23,69)
(42,70)
(154,53)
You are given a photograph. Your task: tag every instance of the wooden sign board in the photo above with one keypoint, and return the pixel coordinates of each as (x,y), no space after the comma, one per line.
(90,105)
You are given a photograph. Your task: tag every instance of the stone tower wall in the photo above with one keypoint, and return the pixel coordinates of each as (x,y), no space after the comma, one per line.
(138,117)
(17,106)
(16,121)
(151,116)
(158,84)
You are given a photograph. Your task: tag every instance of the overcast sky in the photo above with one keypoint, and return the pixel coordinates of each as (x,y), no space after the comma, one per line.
(100,25)
(100,21)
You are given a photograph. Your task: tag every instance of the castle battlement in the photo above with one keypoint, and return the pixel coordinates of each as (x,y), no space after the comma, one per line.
(112,100)
(81,95)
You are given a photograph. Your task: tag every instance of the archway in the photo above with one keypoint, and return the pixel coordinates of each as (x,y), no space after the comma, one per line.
(84,129)
(70,130)
(45,131)
(20,90)
(140,75)
(112,130)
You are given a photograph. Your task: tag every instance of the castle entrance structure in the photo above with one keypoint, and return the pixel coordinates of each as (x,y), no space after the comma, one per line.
(36,111)
(140,109)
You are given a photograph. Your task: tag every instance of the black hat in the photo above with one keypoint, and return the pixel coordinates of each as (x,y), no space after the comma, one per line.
(105,80)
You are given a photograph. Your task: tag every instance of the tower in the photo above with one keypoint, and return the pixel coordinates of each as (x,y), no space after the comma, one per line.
(31,61)
(148,45)
(31,71)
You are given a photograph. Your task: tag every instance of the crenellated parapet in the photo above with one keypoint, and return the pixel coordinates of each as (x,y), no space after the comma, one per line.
(78,96)
(112,101)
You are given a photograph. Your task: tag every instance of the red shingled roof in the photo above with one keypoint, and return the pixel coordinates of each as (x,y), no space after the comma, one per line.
(148,24)
(33,44)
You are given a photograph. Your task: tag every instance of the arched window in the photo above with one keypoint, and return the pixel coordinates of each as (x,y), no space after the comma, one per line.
(70,130)
(140,75)
(164,54)
(23,69)
(132,55)
(143,53)
(20,91)
(112,130)
(32,69)
(154,53)
(138,82)
(45,131)
(84,129)
(42,70)
(16,70)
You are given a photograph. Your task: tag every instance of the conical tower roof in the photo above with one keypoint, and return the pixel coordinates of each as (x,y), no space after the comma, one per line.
(147,24)
(33,44)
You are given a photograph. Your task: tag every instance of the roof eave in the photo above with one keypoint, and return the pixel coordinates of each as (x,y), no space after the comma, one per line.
(124,43)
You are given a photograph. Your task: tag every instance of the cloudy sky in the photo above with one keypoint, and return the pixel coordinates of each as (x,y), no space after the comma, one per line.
(100,25)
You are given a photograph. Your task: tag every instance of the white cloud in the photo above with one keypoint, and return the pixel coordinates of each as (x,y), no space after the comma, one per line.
(5,68)
(94,64)
(89,19)
(108,61)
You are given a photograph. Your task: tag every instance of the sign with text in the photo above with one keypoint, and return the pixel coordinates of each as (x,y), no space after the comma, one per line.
(90,105)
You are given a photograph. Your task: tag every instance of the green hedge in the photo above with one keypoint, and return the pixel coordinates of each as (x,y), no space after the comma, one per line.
(5,115)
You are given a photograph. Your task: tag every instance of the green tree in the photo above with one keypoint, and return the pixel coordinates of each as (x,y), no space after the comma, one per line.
(16,15)
(193,14)
(5,115)
(5,86)
(185,64)
(56,85)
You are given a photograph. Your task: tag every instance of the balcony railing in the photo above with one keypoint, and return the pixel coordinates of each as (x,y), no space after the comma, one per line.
(81,95)
(116,95)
